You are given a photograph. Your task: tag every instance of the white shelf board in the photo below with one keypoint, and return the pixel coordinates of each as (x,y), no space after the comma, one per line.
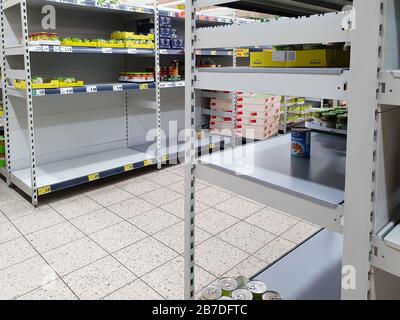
(393,238)
(312,190)
(57,172)
(325,28)
(327,83)
(386,254)
(328,130)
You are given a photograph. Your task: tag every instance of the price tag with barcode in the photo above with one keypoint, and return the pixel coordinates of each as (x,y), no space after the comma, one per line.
(118,87)
(171,14)
(39,92)
(163,51)
(66,49)
(66,91)
(56,49)
(132,51)
(143,86)
(35,48)
(91,89)
(45,49)
(106,50)
(129,8)
(141,10)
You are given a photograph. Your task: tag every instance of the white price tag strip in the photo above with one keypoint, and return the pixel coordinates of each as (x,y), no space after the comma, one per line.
(132,51)
(39,92)
(56,49)
(118,87)
(66,49)
(66,90)
(45,49)
(91,89)
(163,51)
(106,50)
(35,48)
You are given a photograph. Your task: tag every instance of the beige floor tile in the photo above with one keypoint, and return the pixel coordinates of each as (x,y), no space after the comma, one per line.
(238,208)
(177,207)
(136,290)
(3,218)
(38,221)
(214,221)
(131,207)
(154,220)
(274,250)
(161,196)
(164,178)
(15,251)
(272,221)
(173,236)
(64,196)
(24,277)
(139,187)
(212,196)
(8,232)
(247,268)
(118,236)
(99,279)
(74,255)
(218,257)
(300,232)
(55,236)
(95,221)
(56,290)
(180,186)
(180,171)
(169,278)
(21,209)
(9,196)
(76,208)
(109,195)
(144,256)
(247,237)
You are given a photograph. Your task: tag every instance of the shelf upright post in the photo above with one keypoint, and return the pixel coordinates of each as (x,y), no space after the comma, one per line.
(5,98)
(234,96)
(157,79)
(361,150)
(190,156)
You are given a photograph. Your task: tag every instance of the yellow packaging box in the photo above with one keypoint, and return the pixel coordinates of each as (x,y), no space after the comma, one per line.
(131,44)
(301,58)
(69,43)
(53,84)
(268,58)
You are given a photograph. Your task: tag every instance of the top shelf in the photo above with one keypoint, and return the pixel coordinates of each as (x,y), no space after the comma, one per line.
(92,5)
(289,8)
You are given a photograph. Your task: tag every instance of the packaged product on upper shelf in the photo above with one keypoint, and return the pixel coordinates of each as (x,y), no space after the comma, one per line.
(40,83)
(44,38)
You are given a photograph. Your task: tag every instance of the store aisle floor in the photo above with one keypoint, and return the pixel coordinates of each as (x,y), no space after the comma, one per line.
(123,239)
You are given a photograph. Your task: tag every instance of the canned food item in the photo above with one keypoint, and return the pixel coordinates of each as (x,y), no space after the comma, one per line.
(242,294)
(257,288)
(211,293)
(301,143)
(271,295)
(227,285)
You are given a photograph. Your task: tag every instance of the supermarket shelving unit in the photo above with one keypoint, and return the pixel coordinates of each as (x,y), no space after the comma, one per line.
(60,138)
(350,185)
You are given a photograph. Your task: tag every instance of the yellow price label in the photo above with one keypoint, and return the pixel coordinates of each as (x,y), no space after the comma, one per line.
(141,10)
(211,146)
(129,167)
(147,162)
(213,52)
(94,176)
(165,158)
(44,190)
(242,53)
(143,86)
(180,6)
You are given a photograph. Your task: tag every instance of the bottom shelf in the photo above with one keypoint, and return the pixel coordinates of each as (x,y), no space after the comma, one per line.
(312,271)
(64,174)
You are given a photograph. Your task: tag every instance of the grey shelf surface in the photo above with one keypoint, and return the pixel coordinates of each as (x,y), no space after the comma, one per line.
(269,163)
(324,71)
(312,271)
(393,238)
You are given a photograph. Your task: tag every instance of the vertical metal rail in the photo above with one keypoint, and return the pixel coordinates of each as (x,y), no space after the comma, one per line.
(5,98)
(285,115)
(361,162)
(29,101)
(157,79)
(190,126)
(234,96)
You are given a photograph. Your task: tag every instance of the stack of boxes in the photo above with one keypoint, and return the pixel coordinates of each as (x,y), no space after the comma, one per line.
(221,117)
(168,36)
(257,116)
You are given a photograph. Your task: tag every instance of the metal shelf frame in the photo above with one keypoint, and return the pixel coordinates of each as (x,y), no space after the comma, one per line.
(371,87)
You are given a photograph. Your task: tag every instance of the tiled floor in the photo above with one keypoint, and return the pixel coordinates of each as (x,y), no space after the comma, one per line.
(123,239)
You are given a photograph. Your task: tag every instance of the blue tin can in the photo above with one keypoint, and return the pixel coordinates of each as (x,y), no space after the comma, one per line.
(301,143)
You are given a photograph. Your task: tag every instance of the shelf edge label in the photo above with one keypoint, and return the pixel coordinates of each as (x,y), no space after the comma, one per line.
(93,176)
(44,190)
(129,167)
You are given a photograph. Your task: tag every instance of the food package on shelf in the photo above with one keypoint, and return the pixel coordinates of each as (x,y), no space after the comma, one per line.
(256,133)
(77,42)
(139,77)
(44,38)
(113,43)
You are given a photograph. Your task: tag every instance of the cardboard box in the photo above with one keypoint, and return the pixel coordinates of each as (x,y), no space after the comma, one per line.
(301,58)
